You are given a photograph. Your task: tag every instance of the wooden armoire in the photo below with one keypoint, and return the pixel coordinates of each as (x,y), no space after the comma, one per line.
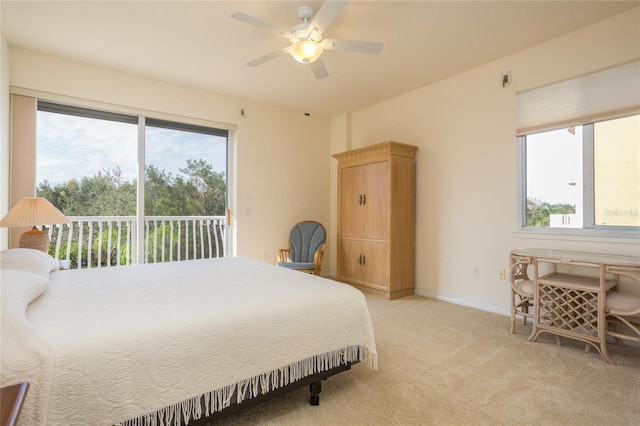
(376,218)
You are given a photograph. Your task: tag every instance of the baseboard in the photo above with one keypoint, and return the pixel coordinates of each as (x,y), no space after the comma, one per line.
(480,304)
(483,305)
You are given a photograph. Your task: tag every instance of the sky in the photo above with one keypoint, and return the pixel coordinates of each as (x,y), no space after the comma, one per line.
(70,147)
(554,160)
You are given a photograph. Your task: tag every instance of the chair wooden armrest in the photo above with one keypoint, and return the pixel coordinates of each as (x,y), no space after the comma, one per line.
(317,259)
(283,255)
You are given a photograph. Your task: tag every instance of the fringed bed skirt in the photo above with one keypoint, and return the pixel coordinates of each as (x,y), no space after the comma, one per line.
(217,400)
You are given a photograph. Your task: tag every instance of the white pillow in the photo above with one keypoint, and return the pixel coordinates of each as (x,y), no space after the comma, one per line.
(28,260)
(25,356)
(22,286)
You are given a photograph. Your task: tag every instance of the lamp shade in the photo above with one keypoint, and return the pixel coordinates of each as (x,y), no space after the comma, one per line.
(33,212)
(306,51)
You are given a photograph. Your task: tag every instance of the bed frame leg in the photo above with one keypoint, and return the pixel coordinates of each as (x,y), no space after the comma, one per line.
(315,388)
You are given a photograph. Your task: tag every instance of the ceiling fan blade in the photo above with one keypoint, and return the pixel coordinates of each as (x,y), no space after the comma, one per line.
(318,69)
(267,57)
(371,47)
(261,24)
(325,15)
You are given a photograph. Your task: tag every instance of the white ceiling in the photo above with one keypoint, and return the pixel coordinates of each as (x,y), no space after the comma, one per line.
(196,43)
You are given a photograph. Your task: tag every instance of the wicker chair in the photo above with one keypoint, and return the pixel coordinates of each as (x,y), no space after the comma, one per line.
(521,289)
(623,310)
(305,249)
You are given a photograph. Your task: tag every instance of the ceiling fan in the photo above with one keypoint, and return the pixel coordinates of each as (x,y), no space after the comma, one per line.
(306,38)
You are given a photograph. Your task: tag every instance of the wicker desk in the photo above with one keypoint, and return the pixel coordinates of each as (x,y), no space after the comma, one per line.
(572,305)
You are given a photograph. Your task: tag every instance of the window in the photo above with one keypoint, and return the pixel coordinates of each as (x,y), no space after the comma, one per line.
(554,178)
(585,177)
(579,154)
(99,168)
(192,160)
(86,160)
(616,172)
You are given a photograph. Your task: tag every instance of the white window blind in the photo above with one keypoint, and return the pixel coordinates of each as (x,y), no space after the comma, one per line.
(604,94)
(23,154)
(23,147)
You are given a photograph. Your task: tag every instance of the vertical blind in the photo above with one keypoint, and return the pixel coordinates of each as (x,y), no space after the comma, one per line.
(604,94)
(23,147)
(23,154)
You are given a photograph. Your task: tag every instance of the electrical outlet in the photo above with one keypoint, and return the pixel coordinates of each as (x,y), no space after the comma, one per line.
(501,274)
(265,255)
(476,271)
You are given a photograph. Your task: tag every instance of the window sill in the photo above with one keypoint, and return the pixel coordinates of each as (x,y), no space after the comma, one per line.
(582,235)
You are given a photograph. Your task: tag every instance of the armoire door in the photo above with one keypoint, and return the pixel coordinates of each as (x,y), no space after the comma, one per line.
(364,262)
(364,201)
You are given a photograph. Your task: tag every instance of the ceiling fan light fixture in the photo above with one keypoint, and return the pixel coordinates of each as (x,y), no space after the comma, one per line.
(306,40)
(306,51)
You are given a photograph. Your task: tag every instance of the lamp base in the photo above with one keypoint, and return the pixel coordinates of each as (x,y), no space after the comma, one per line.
(34,239)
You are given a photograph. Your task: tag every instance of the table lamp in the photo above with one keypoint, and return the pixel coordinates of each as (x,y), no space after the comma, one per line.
(33,211)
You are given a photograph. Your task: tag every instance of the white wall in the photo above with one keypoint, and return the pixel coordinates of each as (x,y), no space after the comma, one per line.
(464,127)
(276,149)
(4,137)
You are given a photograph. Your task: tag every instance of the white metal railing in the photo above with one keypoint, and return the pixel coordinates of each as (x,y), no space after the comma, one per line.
(104,241)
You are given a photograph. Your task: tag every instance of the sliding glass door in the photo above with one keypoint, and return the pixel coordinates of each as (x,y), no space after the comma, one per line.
(137,189)
(185,179)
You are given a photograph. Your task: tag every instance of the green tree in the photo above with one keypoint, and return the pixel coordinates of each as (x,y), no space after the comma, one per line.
(206,188)
(162,196)
(200,192)
(107,193)
(539,212)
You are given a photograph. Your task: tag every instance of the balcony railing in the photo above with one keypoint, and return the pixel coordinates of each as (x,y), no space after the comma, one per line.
(105,241)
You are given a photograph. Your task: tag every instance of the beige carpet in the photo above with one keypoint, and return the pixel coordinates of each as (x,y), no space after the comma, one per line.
(444,364)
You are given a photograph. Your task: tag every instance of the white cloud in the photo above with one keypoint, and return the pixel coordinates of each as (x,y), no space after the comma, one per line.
(71,147)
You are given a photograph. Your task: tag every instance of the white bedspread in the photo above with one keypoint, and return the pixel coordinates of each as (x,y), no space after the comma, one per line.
(129,341)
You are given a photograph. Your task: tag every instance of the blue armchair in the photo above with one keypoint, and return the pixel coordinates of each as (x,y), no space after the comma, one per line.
(305,249)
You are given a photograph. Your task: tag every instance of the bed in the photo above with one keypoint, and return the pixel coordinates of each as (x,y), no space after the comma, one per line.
(170,343)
